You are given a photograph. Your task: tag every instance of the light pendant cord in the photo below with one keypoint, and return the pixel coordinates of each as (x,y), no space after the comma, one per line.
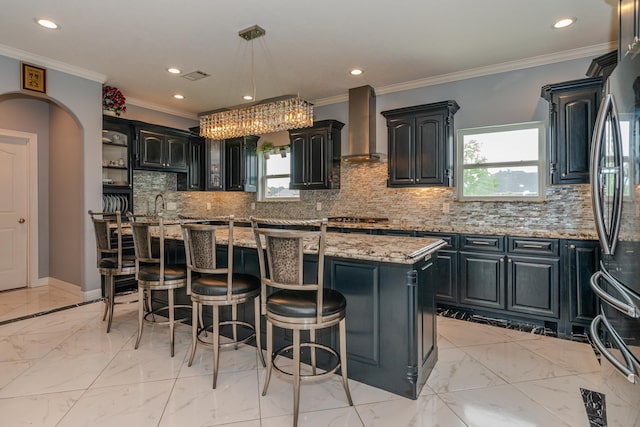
(253,75)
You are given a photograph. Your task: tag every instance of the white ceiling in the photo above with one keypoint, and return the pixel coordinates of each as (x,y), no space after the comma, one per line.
(309,46)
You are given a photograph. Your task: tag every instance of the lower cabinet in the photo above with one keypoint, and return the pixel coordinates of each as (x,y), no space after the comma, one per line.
(533,285)
(582,259)
(482,280)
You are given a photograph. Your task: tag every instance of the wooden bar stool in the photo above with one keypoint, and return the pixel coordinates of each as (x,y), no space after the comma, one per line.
(111,261)
(217,286)
(294,304)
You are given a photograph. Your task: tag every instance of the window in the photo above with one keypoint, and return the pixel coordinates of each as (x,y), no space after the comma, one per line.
(275,174)
(501,162)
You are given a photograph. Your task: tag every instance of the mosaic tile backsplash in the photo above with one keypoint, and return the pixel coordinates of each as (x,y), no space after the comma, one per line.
(566,211)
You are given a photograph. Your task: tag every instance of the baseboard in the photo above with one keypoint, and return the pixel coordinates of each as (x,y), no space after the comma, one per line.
(93,295)
(42,281)
(66,287)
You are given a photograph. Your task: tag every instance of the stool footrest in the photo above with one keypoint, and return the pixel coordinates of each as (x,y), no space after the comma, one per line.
(162,309)
(246,325)
(308,377)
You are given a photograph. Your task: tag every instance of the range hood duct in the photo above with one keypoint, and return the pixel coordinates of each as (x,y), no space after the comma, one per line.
(362,125)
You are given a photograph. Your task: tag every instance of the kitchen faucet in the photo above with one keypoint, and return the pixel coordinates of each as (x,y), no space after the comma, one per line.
(155,205)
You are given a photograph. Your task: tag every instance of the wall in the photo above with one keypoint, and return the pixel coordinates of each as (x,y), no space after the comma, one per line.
(159,118)
(489,100)
(65,207)
(25,114)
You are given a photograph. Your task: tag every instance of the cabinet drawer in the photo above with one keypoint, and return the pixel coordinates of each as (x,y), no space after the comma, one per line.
(451,239)
(523,245)
(482,243)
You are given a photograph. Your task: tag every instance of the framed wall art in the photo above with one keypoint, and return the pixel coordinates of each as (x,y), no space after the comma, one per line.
(33,79)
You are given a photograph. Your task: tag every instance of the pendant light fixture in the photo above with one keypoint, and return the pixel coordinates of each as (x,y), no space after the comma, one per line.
(266,116)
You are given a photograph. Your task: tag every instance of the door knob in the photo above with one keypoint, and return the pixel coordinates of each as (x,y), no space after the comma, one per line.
(21,220)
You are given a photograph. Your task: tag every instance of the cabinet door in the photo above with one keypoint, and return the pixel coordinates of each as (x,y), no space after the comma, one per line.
(533,285)
(430,149)
(298,167)
(233,165)
(426,319)
(583,258)
(176,155)
(576,117)
(249,164)
(402,155)
(445,277)
(214,165)
(318,160)
(196,165)
(482,280)
(151,149)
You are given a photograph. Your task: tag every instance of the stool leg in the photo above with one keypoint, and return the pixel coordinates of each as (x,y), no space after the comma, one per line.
(195,308)
(234,326)
(204,330)
(343,358)
(141,301)
(112,291)
(106,299)
(256,326)
(269,356)
(296,375)
(171,320)
(312,338)
(216,343)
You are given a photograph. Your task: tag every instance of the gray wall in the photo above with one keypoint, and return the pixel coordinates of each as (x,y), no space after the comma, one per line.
(65,200)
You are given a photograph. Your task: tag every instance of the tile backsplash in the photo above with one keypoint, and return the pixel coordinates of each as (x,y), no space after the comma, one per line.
(364,193)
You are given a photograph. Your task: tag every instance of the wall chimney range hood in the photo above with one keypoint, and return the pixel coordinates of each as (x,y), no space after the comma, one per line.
(362,125)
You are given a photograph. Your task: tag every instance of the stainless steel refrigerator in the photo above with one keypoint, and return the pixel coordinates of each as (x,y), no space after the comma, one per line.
(615,191)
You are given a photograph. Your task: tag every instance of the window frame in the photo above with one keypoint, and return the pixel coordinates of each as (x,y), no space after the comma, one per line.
(540,163)
(262,181)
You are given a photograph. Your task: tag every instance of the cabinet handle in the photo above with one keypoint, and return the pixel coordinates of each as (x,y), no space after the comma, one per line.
(501,259)
(480,242)
(628,306)
(510,260)
(427,266)
(627,368)
(572,246)
(532,246)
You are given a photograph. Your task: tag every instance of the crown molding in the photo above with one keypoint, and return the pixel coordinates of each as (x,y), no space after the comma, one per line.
(43,61)
(534,61)
(161,108)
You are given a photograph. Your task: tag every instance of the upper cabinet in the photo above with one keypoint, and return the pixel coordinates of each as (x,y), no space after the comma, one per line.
(573,107)
(162,149)
(315,156)
(231,165)
(629,25)
(194,179)
(420,145)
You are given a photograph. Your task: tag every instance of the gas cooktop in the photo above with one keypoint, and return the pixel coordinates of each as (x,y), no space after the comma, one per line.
(357,220)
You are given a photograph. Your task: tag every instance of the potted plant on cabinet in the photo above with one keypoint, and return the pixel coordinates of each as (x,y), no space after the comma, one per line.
(113,101)
(266,148)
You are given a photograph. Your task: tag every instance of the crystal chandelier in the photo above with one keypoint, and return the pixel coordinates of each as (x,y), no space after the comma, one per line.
(270,115)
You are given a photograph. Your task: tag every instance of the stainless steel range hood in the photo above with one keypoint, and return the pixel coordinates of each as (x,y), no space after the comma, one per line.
(362,125)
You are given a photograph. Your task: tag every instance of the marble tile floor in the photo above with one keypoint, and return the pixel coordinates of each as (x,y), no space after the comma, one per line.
(17,303)
(62,369)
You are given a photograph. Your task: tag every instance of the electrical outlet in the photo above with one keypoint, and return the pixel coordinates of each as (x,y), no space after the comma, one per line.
(253,206)
(445,207)
(171,206)
(318,206)
(208,206)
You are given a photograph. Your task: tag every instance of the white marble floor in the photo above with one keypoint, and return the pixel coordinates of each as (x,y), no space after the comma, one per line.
(62,369)
(21,302)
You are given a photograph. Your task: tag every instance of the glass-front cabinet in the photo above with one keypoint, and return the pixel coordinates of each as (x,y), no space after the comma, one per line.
(214,165)
(117,175)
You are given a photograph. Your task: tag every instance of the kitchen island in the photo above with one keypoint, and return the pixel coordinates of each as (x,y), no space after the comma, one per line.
(387,281)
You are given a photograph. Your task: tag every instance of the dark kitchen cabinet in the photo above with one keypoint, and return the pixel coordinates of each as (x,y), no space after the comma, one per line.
(573,107)
(582,259)
(241,164)
(117,173)
(629,25)
(214,165)
(194,179)
(445,275)
(482,280)
(420,145)
(162,149)
(315,156)
(533,285)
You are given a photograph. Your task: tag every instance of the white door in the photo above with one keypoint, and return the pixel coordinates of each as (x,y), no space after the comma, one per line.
(13,213)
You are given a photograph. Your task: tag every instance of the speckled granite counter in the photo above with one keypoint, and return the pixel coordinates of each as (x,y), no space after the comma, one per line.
(392,249)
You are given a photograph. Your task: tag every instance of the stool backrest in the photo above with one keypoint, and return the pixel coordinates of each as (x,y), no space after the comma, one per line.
(143,228)
(104,224)
(200,244)
(285,249)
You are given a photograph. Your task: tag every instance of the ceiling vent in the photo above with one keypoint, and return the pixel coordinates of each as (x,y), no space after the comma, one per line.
(195,75)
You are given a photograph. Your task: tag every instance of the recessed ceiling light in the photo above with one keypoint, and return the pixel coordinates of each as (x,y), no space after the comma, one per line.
(564,22)
(356,72)
(178,96)
(247,98)
(47,23)
(174,70)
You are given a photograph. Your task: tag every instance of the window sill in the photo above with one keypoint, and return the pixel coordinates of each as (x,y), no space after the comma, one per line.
(281,199)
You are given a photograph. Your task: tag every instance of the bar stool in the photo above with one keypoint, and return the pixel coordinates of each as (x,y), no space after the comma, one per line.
(111,261)
(153,274)
(217,286)
(297,305)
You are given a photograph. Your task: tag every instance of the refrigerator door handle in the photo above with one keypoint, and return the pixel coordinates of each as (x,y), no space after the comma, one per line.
(627,306)
(631,365)
(608,238)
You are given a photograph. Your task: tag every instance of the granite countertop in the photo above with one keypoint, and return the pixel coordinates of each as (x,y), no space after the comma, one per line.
(391,249)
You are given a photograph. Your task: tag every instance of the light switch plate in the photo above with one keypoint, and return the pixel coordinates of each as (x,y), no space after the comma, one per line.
(319,206)
(171,206)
